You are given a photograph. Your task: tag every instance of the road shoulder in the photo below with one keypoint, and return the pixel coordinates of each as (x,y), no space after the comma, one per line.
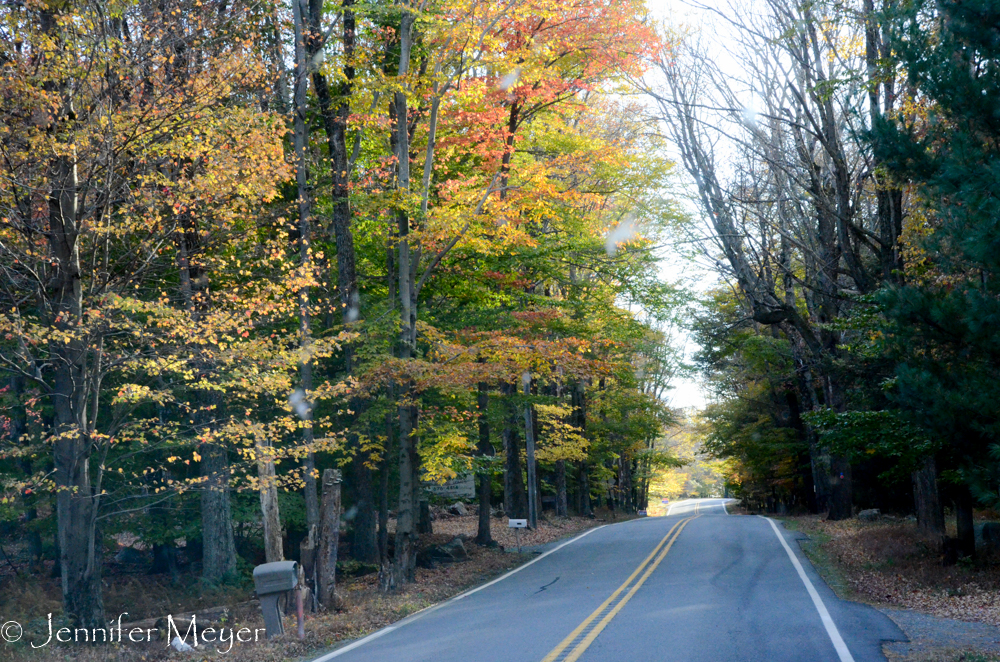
(882,565)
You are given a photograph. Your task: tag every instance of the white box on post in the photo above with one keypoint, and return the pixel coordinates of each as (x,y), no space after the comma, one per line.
(517,525)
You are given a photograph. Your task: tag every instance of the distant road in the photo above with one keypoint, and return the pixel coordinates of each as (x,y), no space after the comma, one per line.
(697,585)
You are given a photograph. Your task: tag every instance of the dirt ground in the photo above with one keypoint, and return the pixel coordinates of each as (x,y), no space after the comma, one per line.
(551,528)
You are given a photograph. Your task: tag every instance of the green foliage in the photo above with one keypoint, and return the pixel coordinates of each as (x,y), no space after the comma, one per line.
(861,433)
(942,328)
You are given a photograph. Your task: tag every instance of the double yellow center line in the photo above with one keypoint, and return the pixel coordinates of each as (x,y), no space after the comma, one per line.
(573,646)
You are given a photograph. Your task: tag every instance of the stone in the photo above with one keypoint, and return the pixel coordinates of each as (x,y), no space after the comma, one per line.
(450,552)
(458,508)
(129,555)
(455,549)
(870,515)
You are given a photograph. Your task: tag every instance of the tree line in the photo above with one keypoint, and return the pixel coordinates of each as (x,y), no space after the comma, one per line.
(844,157)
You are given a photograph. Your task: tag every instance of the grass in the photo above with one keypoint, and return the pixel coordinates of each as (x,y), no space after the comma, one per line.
(815,547)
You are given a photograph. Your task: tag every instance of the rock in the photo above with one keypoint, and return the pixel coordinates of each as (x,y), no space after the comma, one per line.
(458,508)
(178,645)
(870,515)
(129,555)
(450,552)
(338,603)
(455,549)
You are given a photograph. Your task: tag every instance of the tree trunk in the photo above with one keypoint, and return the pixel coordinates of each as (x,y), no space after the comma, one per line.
(578,400)
(840,489)
(383,495)
(927,499)
(404,563)
(218,544)
(307,563)
(76,501)
(335,113)
(586,508)
(529,436)
(268,499)
(76,513)
(326,559)
(484,449)
(819,463)
(515,495)
(277,60)
(301,141)
(963,520)
(562,506)
(363,541)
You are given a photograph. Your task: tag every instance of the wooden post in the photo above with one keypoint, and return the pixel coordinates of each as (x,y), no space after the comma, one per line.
(307,563)
(326,560)
(268,498)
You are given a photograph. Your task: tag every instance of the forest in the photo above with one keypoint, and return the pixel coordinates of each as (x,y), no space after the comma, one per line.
(270,265)
(250,249)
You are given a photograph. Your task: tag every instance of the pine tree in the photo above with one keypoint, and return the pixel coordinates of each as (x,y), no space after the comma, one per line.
(943,323)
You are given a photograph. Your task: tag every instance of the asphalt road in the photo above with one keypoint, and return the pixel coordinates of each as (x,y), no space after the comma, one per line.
(696,586)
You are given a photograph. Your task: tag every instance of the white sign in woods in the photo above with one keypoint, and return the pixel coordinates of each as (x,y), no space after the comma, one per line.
(517,523)
(463,487)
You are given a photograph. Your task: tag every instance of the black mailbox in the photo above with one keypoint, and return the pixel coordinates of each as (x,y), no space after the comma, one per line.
(271,580)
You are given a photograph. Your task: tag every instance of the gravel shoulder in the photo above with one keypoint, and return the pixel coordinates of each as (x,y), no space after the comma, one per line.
(935,638)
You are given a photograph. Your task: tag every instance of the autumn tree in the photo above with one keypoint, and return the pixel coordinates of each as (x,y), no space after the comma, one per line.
(117,141)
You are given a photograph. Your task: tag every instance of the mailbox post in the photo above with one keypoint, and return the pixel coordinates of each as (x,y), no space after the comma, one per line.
(517,525)
(271,580)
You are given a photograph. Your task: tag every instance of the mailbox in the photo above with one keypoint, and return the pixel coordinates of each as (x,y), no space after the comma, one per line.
(271,581)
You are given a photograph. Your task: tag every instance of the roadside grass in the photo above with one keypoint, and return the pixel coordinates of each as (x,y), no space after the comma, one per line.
(816,548)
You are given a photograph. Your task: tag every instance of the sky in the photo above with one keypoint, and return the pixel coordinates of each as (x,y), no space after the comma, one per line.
(687,392)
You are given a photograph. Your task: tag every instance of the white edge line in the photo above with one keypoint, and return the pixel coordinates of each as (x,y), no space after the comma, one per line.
(433,608)
(724,509)
(831,628)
